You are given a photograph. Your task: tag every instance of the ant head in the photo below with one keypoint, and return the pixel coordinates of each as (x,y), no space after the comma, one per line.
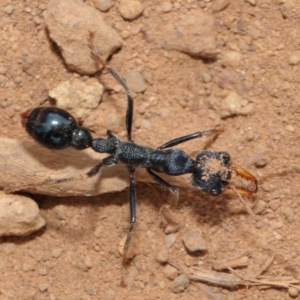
(212,172)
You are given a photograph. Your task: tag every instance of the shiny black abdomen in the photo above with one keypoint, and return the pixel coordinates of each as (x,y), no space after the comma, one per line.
(51,126)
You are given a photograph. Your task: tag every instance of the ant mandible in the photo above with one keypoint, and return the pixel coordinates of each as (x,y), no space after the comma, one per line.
(211,171)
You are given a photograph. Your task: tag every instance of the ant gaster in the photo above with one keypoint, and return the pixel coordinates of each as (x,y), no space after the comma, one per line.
(211,171)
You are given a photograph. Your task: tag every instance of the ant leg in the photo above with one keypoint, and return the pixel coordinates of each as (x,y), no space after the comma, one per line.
(99,60)
(129,112)
(106,162)
(174,190)
(244,203)
(132,203)
(188,137)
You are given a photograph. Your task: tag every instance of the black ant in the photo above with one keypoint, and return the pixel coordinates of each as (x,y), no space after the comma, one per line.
(211,171)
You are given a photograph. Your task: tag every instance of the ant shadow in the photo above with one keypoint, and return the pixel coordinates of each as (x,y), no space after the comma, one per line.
(200,206)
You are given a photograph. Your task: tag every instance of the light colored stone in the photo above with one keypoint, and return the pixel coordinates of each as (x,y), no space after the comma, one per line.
(231,59)
(193,241)
(162,256)
(169,240)
(19,215)
(293,292)
(166,6)
(180,283)
(231,105)
(170,272)
(8,9)
(99,231)
(252,2)
(43,287)
(294,59)
(75,93)
(70,23)
(290,128)
(218,5)
(103,5)
(130,9)
(193,33)
(135,81)
(56,252)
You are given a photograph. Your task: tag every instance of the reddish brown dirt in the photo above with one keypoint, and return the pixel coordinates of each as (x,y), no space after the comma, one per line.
(67,260)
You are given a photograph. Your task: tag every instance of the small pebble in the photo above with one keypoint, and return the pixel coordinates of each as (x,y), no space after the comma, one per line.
(152,100)
(193,241)
(294,59)
(60,212)
(103,5)
(8,9)
(98,231)
(169,240)
(231,105)
(145,124)
(56,252)
(276,224)
(259,224)
(231,59)
(189,261)
(29,265)
(135,81)
(162,256)
(43,287)
(293,292)
(290,128)
(130,9)
(260,163)
(88,261)
(166,6)
(180,283)
(252,2)
(125,34)
(206,77)
(43,271)
(247,109)
(162,285)
(170,272)
(218,5)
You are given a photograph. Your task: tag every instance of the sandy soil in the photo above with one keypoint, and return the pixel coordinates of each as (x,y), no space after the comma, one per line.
(76,256)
